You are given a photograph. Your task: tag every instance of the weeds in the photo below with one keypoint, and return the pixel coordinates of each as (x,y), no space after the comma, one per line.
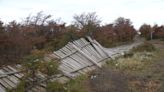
(78,84)
(107,80)
(146,46)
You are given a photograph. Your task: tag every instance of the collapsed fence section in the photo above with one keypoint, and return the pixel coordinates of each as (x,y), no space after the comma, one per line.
(76,58)
(80,54)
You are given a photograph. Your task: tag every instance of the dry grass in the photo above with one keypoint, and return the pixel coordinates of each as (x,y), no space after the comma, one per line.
(142,71)
(134,63)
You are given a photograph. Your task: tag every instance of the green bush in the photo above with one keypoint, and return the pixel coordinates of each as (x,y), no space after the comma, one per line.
(50,67)
(77,85)
(146,46)
(55,87)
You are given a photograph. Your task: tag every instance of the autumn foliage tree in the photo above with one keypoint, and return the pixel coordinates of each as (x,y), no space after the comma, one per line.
(106,35)
(157,32)
(145,30)
(121,30)
(14,45)
(87,23)
(124,29)
(19,39)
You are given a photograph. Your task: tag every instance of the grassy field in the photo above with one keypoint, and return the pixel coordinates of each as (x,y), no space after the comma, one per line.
(140,71)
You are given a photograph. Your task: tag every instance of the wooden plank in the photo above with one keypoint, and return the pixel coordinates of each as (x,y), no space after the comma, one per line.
(99,50)
(72,61)
(75,57)
(53,56)
(78,44)
(81,58)
(20,75)
(68,63)
(14,79)
(10,80)
(5,85)
(86,55)
(88,52)
(62,67)
(70,47)
(67,55)
(58,53)
(2,89)
(86,60)
(92,50)
(7,81)
(75,64)
(65,67)
(100,47)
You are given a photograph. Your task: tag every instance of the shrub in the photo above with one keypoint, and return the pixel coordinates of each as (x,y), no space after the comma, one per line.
(50,68)
(134,62)
(55,87)
(128,64)
(77,85)
(144,47)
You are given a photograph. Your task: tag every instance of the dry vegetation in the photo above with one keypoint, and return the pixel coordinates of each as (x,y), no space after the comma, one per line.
(43,34)
(140,72)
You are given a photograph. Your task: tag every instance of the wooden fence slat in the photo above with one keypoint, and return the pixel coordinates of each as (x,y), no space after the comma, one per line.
(88,48)
(71,64)
(80,57)
(92,50)
(84,59)
(87,51)
(11,84)
(14,79)
(14,70)
(72,61)
(99,46)
(2,89)
(86,55)
(67,66)
(91,47)
(99,50)
(77,58)
(5,85)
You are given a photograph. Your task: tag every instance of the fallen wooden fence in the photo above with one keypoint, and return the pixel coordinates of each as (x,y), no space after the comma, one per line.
(80,54)
(76,58)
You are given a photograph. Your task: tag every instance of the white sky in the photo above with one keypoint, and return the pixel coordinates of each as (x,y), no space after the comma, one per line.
(138,11)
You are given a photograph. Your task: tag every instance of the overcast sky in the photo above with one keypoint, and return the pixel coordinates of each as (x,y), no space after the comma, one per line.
(138,11)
